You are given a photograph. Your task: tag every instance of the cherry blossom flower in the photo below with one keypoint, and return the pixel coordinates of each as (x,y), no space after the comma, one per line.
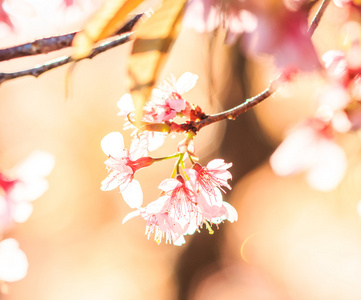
(168,100)
(21,185)
(218,211)
(159,223)
(122,169)
(215,174)
(13,261)
(310,147)
(144,141)
(340,101)
(181,211)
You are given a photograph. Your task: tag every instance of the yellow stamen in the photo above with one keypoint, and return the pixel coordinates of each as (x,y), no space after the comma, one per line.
(210,230)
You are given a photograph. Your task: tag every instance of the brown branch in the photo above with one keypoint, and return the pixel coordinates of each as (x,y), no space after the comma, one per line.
(38,70)
(46,45)
(317,18)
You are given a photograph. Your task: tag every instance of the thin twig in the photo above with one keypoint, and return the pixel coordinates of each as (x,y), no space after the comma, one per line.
(317,18)
(38,70)
(46,45)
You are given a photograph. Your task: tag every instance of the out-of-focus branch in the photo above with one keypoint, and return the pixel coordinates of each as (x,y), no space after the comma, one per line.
(38,70)
(46,45)
(317,18)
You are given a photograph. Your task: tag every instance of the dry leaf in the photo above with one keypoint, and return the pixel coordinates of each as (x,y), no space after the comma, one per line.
(153,41)
(104,23)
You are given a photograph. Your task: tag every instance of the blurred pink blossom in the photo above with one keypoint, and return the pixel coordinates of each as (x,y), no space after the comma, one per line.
(310,147)
(13,261)
(4,17)
(21,185)
(284,36)
(208,15)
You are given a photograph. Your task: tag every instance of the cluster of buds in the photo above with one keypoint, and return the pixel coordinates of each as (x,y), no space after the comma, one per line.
(192,196)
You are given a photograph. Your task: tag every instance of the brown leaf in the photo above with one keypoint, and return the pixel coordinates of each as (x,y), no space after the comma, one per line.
(104,23)
(153,42)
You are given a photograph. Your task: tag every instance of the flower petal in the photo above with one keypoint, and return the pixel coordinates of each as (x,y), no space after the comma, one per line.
(126,105)
(133,194)
(186,82)
(131,215)
(109,183)
(13,261)
(37,164)
(113,144)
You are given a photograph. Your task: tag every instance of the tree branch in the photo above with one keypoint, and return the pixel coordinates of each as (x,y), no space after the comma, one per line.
(46,45)
(317,18)
(38,70)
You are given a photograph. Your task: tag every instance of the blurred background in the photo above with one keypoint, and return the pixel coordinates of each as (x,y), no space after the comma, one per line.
(290,242)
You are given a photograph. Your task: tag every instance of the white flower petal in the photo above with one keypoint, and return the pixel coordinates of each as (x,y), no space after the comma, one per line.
(29,190)
(231,211)
(113,144)
(13,261)
(37,164)
(109,183)
(126,105)
(180,241)
(156,140)
(22,212)
(131,215)
(156,206)
(295,153)
(329,169)
(133,194)
(186,82)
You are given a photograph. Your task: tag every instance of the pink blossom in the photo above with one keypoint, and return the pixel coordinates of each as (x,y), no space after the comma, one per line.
(142,141)
(22,185)
(122,169)
(4,17)
(216,212)
(181,210)
(13,261)
(159,223)
(167,99)
(284,36)
(207,15)
(310,147)
(215,174)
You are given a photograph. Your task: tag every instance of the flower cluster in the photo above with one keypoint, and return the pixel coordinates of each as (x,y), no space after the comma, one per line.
(192,196)
(18,188)
(311,146)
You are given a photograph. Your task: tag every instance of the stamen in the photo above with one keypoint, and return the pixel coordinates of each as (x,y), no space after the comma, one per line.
(210,230)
